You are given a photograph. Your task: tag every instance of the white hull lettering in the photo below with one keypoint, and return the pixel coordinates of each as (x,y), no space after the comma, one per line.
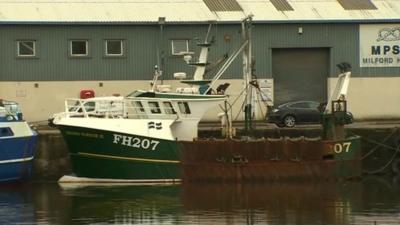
(139,143)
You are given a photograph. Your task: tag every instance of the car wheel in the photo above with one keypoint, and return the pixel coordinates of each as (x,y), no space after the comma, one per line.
(289,121)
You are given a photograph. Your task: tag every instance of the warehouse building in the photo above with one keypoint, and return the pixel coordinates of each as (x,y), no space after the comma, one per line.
(51,50)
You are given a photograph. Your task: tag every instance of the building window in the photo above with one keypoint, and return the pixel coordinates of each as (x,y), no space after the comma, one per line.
(79,48)
(184,107)
(180,47)
(114,48)
(26,48)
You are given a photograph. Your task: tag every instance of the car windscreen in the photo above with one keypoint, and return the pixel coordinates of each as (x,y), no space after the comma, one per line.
(301,105)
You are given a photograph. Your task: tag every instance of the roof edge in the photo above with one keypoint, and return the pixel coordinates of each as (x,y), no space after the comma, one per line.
(99,23)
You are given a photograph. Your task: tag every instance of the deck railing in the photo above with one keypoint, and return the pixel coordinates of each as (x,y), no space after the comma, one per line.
(117,108)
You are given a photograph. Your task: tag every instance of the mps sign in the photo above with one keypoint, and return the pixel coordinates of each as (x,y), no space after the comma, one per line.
(380,45)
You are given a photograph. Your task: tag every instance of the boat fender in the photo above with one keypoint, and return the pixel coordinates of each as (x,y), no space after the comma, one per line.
(396,166)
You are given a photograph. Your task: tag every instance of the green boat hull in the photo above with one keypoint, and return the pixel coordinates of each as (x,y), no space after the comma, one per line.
(110,155)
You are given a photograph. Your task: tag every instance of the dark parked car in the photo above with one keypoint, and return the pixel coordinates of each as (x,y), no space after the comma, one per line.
(292,113)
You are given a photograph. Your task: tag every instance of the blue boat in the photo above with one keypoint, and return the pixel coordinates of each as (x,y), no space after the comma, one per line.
(17,143)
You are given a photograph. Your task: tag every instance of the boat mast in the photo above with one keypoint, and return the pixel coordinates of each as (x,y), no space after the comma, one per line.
(202,62)
(334,116)
(247,72)
(160,48)
(160,56)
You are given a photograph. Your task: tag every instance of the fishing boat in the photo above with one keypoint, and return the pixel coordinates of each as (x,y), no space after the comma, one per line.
(152,136)
(17,143)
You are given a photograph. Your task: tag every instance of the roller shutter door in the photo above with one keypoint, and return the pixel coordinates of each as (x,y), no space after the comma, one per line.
(300,74)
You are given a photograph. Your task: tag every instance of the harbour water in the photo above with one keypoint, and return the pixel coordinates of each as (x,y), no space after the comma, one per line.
(372,200)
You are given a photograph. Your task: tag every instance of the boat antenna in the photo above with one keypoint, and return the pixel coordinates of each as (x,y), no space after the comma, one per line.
(160,48)
(157,74)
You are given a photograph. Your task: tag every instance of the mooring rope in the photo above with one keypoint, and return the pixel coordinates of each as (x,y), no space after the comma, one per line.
(380,170)
(385,146)
(377,145)
(381,144)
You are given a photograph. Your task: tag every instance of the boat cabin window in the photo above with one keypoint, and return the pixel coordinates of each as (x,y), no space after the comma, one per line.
(184,107)
(6,132)
(154,107)
(90,106)
(169,109)
(138,106)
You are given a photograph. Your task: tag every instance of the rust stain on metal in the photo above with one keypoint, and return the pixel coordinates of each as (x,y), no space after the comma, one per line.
(265,159)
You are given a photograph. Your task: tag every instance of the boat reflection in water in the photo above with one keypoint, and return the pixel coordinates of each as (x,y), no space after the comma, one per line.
(369,201)
(149,204)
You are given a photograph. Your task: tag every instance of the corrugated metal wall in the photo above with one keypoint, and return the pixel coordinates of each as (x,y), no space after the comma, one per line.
(342,39)
(53,62)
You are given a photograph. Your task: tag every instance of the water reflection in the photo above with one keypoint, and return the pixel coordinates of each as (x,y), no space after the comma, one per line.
(370,201)
(16,204)
(123,204)
(280,203)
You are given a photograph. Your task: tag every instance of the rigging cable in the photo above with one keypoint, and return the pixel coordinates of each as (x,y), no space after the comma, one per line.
(241,109)
(234,102)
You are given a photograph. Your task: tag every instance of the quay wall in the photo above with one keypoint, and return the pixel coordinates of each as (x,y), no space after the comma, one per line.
(368,97)
(51,158)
